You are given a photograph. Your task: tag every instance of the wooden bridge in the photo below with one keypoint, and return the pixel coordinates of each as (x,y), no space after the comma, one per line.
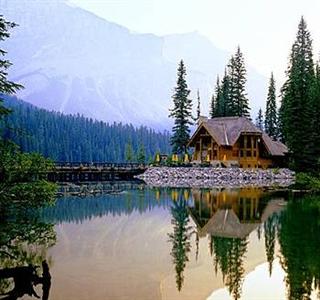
(85,172)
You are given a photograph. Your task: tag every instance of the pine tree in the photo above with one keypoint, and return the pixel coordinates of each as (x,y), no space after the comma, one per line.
(295,111)
(181,112)
(259,120)
(21,174)
(215,96)
(198,105)
(141,154)
(223,105)
(270,123)
(129,155)
(237,80)
(315,121)
(6,86)
(213,107)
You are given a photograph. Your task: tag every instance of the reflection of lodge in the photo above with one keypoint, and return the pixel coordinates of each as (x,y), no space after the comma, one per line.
(230,213)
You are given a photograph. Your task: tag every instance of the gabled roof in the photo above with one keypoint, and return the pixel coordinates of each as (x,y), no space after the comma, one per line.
(275,148)
(227,130)
(226,223)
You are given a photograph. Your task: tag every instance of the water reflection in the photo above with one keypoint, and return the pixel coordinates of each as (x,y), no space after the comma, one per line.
(180,238)
(25,279)
(299,238)
(127,234)
(227,217)
(23,249)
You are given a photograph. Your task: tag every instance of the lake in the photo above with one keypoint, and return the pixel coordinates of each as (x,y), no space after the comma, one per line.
(139,242)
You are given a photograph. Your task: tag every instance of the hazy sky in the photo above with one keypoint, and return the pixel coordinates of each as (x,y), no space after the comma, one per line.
(265,29)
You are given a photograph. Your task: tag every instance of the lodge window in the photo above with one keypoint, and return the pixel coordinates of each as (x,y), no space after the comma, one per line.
(254,153)
(248,153)
(241,153)
(241,142)
(235,153)
(249,166)
(249,142)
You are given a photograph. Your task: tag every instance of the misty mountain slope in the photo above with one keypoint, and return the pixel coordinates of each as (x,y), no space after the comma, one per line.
(72,61)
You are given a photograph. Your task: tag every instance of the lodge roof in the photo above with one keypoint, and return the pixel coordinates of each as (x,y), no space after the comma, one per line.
(226,223)
(227,130)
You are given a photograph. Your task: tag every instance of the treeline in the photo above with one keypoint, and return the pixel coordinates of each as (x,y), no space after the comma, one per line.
(230,97)
(74,138)
(297,121)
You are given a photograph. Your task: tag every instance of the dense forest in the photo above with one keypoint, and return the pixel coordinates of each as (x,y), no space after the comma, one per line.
(74,138)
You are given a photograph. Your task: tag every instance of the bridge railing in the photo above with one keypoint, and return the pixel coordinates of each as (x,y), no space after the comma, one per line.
(99,165)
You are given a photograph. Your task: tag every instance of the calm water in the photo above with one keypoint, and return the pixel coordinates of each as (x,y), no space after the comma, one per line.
(165,243)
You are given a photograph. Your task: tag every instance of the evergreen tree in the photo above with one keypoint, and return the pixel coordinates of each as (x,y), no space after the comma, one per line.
(315,121)
(129,152)
(21,175)
(181,112)
(270,122)
(6,86)
(237,80)
(198,105)
(222,91)
(295,112)
(259,120)
(213,107)
(74,138)
(141,154)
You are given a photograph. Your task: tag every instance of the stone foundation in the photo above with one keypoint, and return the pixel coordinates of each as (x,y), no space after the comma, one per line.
(216,177)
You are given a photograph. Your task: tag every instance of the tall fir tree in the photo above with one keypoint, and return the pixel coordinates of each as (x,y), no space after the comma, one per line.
(129,154)
(213,107)
(239,105)
(296,106)
(198,105)
(6,86)
(315,119)
(223,104)
(270,122)
(141,154)
(259,120)
(181,113)
(214,99)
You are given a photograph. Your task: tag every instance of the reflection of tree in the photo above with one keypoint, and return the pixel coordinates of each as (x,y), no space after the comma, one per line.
(269,238)
(25,279)
(70,209)
(23,242)
(228,255)
(180,237)
(299,240)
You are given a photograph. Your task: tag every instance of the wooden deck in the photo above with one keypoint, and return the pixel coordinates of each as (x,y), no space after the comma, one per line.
(85,172)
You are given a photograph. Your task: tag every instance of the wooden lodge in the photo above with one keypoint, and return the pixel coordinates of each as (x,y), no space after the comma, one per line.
(235,141)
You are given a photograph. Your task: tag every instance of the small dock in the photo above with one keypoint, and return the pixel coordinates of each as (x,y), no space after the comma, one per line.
(85,172)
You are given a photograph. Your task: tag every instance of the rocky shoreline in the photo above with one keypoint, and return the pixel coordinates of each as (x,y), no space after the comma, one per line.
(216,177)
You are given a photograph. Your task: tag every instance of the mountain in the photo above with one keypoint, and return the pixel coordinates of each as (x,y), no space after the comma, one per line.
(73,61)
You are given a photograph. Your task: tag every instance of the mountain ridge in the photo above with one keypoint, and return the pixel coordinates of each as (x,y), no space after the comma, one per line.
(82,63)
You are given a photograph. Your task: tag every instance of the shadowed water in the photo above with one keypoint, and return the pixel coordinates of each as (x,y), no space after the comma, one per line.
(140,242)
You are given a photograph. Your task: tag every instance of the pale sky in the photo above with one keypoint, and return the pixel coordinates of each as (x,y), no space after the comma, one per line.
(265,29)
